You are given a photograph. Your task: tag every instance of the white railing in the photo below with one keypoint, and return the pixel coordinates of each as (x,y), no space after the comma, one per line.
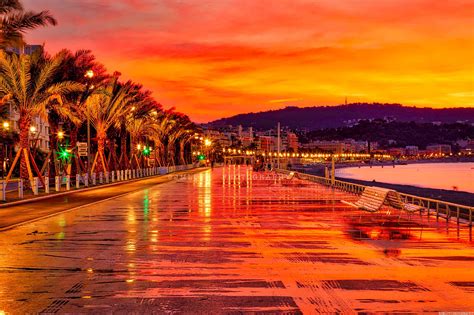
(438,208)
(66,183)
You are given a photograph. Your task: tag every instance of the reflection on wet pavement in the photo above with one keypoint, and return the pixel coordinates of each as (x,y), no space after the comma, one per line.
(233,241)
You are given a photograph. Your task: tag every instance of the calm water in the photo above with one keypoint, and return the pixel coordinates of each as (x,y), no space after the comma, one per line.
(432,175)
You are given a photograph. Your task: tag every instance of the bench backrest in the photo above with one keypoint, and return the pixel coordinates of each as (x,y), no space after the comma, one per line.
(372,198)
(394,200)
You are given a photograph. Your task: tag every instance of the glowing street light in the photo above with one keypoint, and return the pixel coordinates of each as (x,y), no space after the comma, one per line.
(89,74)
(207,142)
(6,125)
(60,134)
(32,129)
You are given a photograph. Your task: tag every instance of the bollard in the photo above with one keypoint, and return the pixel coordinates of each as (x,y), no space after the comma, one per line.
(86,180)
(101,178)
(121,174)
(68,182)
(94,179)
(78,181)
(126,174)
(113,176)
(106,177)
(133,174)
(46,184)
(3,192)
(34,186)
(20,188)
(57,183)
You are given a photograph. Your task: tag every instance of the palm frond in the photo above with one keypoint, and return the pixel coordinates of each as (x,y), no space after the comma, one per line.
(21,21)
(7,6)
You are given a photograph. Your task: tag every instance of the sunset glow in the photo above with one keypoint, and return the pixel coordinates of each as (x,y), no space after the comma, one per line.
(217,58)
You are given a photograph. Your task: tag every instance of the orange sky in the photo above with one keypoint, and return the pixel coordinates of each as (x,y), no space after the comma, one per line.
(215,58)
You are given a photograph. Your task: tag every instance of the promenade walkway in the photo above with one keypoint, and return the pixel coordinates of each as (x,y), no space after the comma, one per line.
(232,241)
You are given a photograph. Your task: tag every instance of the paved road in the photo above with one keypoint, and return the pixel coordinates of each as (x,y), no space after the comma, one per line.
(230,241)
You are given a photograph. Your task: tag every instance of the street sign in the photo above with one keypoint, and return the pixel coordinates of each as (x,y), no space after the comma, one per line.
(82,148)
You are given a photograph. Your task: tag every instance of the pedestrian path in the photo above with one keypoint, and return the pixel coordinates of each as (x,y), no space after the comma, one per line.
(45,205)
(229,240)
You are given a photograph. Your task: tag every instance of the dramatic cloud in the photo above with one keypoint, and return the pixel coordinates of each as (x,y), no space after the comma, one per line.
(216,58)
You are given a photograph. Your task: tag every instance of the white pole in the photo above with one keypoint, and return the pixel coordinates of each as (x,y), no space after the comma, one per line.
(333,172)
(278,145)
(46,185)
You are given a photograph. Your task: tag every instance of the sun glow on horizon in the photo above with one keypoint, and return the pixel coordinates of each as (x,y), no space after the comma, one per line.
(216,58)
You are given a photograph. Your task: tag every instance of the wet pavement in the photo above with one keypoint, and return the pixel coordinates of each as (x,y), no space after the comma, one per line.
(233,241)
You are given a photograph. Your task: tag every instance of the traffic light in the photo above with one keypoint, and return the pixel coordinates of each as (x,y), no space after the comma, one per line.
(201,157)
(146,151)
(64,154)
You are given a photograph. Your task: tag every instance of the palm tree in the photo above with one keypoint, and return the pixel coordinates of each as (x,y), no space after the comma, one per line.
(15,21)
(140,123)
(107,107)
(74,68)
(26,84)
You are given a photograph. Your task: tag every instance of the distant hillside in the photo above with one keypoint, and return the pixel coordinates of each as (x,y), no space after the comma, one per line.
(313,118)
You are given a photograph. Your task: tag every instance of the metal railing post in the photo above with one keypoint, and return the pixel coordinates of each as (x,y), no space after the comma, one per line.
(35,186)
(68,182)
(86,180)
(46,184)
(3,192)
(20,188)
(57,183)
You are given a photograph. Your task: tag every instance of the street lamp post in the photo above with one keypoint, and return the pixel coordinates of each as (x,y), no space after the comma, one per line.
(6,126)
(89,75)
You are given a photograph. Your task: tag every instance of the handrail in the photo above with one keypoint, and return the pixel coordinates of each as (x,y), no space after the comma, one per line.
(81,181)
(440,208)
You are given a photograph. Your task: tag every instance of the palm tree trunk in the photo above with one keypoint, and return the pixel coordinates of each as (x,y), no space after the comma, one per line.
(181,152)
(24,124)
(53,146)
(101,152)
(133,149)
(123,149)
(73,140)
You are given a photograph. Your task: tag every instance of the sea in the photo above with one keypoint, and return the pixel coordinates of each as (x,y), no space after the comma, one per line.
(449,176)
